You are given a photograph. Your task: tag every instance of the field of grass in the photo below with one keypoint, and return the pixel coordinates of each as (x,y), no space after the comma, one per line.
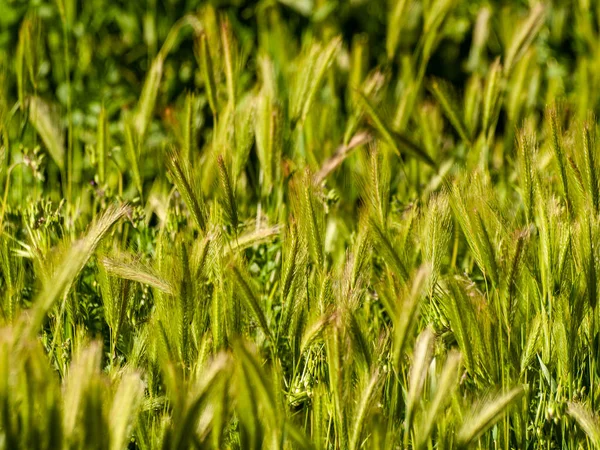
(299,224)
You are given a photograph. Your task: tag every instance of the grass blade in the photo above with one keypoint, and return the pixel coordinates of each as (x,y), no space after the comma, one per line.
(102,142)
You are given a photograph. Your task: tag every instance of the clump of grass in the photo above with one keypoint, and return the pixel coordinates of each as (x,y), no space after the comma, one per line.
(320,225)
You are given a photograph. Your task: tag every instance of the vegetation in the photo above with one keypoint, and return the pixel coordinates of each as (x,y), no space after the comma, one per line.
(299,224)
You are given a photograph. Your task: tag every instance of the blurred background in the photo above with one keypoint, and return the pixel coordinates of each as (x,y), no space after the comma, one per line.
(112,43)
(77,57)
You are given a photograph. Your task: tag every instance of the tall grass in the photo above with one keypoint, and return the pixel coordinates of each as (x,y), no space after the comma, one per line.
(320,225)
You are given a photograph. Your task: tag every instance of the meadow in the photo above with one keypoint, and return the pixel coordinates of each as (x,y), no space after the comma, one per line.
(299,224)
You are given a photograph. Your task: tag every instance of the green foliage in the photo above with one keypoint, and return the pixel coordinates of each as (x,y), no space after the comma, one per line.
(299,224)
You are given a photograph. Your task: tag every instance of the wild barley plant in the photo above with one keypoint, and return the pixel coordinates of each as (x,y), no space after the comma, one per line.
(315,242)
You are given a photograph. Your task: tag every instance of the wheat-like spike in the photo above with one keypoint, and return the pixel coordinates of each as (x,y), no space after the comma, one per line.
(336,381)
(250,299)
(264,126)
(366,401)
(559,155)
(487,248)
(492,94)
(291,261)
(326,295)
(73,262)
(446,385)
(481,34)
(375,188)
(578,194)
(434,16)
(383,243)
(84,371)
(267,125)
(437,233)
(319,417)
(475,231)
(255,237)
(289,274)
(28,55)
(217,317)
(591,165)
(276,136)
(229,54)
(527,175)
(189,131)
(379,188)
(359,54)
(524,36)
(298,324)
(257,379)
(49,130)
(145,107)
(187,415)
(229,196)
(315,329)
(422,355)
(115,296)
(180,171)
(517,260)
(185,300)
(315,240)
(361,256)
(407,314)
(125,266)
(245,116)
(460,316)
(13,274)
(302,79)
(532,343)
(483,416)
(109,295)
(471,106)
(203,258)
(587,420)
(590,267)
(126,402)
(359,339)
(562,347)
(395,22)
(323,62)
(147,100)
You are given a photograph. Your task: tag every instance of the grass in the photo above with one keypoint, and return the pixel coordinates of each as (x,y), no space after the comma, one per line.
(299,224)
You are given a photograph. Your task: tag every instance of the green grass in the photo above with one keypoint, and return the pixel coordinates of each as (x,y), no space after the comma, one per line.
(299,224)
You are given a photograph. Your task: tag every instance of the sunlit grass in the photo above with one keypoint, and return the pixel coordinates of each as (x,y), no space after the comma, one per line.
(324,225)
